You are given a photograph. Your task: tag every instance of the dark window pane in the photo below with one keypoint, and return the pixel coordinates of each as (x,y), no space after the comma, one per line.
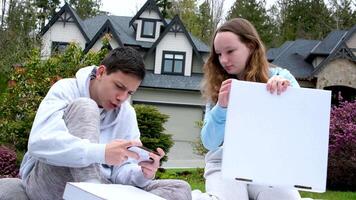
(148,28)
(59,47)
(168,65)
(178,66)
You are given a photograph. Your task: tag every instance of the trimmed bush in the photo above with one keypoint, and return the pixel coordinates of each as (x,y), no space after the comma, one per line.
(8,168)
(150,122)
(342,147)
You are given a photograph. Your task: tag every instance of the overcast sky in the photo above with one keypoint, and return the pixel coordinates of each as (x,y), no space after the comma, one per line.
(130,7)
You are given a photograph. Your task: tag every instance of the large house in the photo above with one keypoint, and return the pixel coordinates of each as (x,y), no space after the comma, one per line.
(173,58)
(327,64)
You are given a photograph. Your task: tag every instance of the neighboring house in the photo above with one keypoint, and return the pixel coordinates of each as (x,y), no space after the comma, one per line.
(328,64)
(173,58)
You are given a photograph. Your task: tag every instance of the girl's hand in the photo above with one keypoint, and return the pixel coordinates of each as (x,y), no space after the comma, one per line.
(224,92)
(277,83)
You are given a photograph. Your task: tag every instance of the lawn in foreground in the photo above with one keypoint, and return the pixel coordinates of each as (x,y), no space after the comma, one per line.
(195,178)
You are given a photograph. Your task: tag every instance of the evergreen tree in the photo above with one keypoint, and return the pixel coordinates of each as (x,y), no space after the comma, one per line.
(17,37)
(46,9)
(343,14)
(86,8)
(187,9)
(308,19)
(205,22)
(165,6)
(255,12)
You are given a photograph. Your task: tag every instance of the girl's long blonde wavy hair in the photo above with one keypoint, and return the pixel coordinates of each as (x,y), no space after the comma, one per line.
(256,69)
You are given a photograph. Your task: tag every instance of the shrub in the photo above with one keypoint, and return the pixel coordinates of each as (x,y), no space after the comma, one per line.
(30,83)
(8,168)
(150,122)
(342,147)
(199,148)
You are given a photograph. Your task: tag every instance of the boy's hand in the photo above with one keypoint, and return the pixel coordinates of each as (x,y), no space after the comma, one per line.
(149,169)
(116,152)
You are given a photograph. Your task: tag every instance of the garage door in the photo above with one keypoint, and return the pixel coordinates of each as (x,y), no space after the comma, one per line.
(182,126)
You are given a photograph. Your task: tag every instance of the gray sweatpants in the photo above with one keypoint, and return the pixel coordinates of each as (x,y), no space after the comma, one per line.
(47,182)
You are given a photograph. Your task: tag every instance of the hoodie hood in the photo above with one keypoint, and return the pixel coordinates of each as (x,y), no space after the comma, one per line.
(83,79)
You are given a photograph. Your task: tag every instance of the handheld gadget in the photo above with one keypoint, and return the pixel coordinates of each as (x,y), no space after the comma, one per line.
(143,152)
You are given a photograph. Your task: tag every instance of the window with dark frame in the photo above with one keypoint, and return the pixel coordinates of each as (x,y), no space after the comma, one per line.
(148,28)
(59,47)
(173,62)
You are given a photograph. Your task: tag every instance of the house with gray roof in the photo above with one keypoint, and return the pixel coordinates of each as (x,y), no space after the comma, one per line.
(327,64)
(173,58)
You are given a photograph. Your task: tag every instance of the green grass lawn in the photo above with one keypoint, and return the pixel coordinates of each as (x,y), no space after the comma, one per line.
(195,178)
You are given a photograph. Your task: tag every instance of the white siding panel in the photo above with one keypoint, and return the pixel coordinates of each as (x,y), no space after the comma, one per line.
(149,15)
(59,32)
(174,42)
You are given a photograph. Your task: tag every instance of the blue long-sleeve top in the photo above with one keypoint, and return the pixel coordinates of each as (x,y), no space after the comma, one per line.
(212,134)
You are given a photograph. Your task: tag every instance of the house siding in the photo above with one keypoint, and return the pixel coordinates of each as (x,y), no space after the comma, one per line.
(60,32)
(150,62)
(168,96)
(198,64)
(339,72)
(174,42)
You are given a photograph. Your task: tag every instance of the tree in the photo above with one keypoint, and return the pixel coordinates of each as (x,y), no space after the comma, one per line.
(165,6)
(343,14)
(306,19)
(86,8)
(46,9)
(205,22)
(255,12)
(187,9)
(3,10)
(216,11)
(17,37)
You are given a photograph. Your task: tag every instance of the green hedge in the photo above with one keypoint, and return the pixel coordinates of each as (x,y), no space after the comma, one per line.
(150,122)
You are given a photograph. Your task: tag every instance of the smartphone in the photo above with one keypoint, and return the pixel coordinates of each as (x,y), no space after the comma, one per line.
(149,150)
(143,152)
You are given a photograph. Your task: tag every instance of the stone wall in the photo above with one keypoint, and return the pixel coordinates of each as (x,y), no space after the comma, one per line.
(339,72)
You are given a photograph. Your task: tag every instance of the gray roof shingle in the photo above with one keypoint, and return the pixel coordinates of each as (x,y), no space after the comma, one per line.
(329,43)
(172,81)
(293,55)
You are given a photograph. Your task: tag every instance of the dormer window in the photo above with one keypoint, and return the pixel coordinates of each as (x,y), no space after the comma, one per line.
(148,28)
(173,62)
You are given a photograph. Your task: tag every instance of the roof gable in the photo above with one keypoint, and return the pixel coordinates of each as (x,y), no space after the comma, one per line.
(150,5)
(106,28)
(340,51)
(175,26)
(73,15)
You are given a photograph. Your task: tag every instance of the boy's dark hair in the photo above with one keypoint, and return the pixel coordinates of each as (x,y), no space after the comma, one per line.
(126,60)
